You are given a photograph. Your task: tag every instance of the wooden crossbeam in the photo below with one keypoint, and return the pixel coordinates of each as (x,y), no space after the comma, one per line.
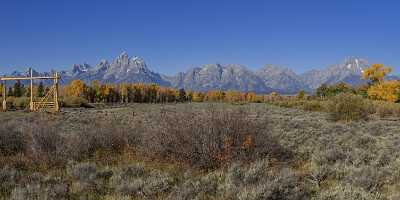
(25,78)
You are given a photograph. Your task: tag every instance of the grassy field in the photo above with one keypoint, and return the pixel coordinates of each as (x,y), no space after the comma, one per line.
(197,151)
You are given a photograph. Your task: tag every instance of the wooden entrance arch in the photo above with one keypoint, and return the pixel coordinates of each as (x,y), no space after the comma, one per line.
(49,102)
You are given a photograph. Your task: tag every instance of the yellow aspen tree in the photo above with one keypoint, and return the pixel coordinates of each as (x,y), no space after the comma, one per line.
(274,96)
(376,73)
(198,97)
(233,96)
(387,91)
(251,97)
(301,95)
(76,88)
(215,95)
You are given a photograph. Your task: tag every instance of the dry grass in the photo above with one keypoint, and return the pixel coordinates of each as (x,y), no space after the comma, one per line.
(197,151)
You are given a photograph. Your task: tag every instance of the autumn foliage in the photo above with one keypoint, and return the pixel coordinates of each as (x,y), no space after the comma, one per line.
(379,88)
(387,91)
(150,93)
(376,73)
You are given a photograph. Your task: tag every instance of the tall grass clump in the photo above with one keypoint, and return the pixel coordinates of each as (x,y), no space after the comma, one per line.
(348,107)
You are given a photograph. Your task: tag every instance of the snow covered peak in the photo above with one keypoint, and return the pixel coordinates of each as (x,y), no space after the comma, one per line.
(102,66)
(355,64)
(123,55)
(80,68)
(103,61)
(138,62)
(137,59)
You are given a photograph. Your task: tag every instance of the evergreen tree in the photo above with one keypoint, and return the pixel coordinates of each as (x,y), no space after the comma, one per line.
(182,95)
(1,89)
(10,92)
(18,89)
(40,90)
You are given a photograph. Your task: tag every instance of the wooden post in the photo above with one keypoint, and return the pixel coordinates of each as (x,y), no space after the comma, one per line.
(31,106)
(4,96)
(56,106)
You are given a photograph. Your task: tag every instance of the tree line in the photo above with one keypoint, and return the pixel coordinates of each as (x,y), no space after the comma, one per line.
(95,92)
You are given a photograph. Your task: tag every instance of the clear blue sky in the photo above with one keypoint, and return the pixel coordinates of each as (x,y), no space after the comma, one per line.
(174,35)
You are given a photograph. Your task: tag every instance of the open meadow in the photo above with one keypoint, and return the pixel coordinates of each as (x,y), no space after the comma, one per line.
(197,151)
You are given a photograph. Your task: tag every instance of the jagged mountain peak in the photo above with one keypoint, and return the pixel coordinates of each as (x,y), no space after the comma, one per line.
(124,55)
(221,67)
(349,71)
(276,69)
(80,68)
(25,72)
(351,64)
(355,63)
(103,62)
(282,79)
(219,77)
(125,64)
(123,69)
(211,66)
(102,66)
(137,59)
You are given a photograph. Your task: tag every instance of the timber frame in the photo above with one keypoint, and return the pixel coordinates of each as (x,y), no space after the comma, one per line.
(49,102)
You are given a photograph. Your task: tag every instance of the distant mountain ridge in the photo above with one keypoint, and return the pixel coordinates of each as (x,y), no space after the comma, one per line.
(125,69)
(349,71)
(221,77)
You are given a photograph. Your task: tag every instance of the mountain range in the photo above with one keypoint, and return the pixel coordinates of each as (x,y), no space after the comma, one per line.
(269,78)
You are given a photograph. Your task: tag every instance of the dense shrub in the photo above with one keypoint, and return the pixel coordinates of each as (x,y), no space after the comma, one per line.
(8,179)
(51,190)
(387,109)
(348,107)
(312,105)
(12,139)
(75,102)
(135,181)
(21,102)
(99,136)
(211,138)
(196,188)
(85,172)
(47,145)
(340,192)
(10,102)
(288,103)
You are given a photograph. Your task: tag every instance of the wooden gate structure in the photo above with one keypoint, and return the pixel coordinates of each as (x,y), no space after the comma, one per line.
(47,103)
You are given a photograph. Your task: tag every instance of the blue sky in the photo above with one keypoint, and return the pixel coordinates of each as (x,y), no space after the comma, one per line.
(175,35)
